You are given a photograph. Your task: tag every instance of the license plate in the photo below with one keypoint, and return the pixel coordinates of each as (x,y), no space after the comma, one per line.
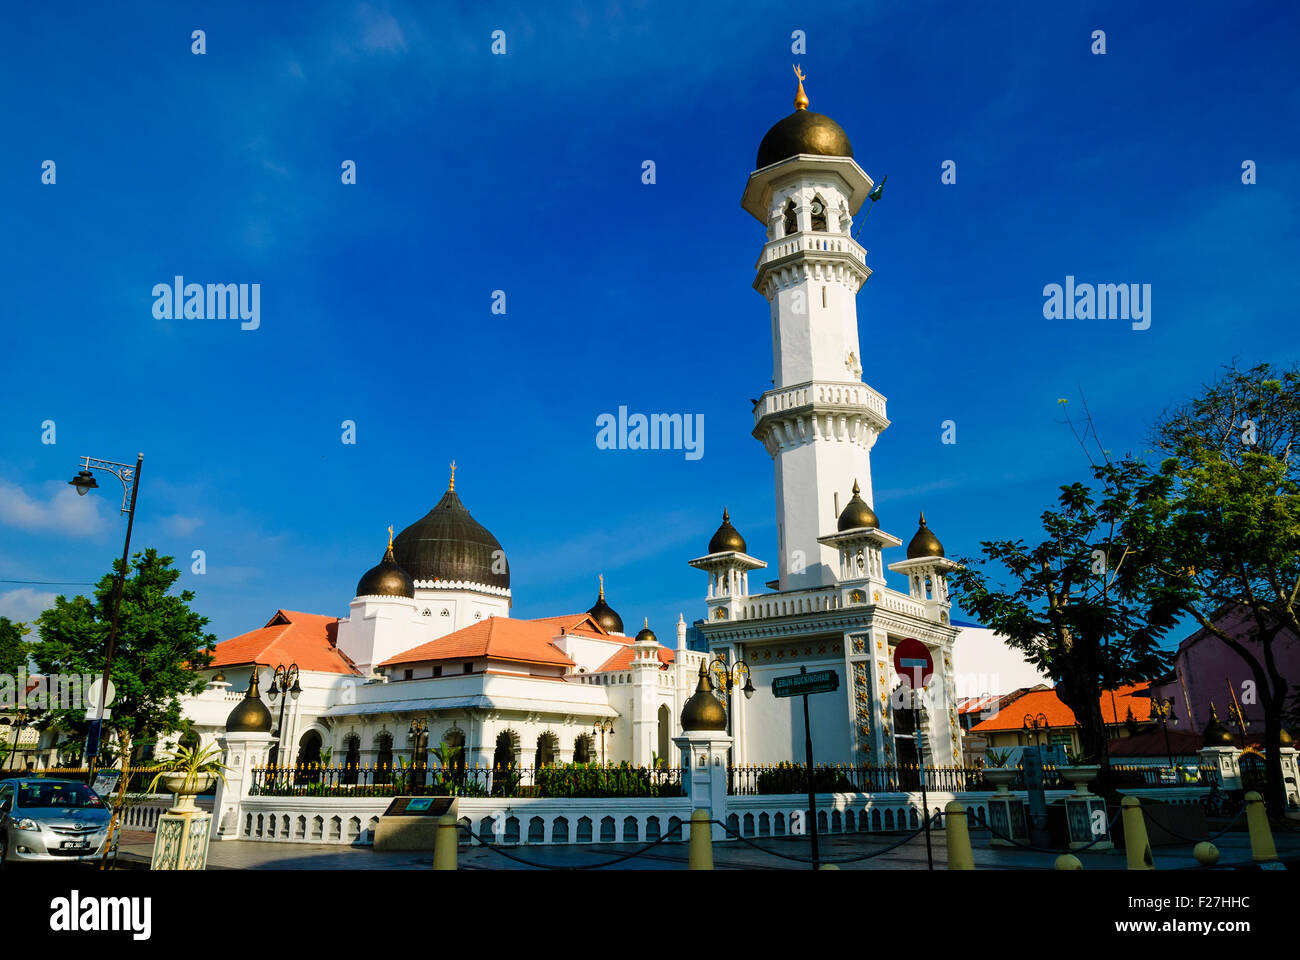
(75,845)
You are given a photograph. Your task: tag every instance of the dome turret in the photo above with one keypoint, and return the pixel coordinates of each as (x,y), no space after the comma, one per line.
(857,513)
(1216,734)
(448,544)
(605,615)
(646,635)
(925,543)
(727,539)
(802,132)
(703,711)
(386,579)
(250,714)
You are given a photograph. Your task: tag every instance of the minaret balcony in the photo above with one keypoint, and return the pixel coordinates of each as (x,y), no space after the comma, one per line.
(811,242)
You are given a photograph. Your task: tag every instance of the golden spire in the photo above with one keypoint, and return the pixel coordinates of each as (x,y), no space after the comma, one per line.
(452,484)
(390,538)
(800,98)
(602,586)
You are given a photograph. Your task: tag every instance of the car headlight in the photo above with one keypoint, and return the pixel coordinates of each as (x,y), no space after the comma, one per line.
(28,825)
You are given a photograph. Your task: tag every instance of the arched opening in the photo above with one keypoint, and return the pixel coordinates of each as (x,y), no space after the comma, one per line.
(789,223)
(505,760)
(548,750)
(665,732)
(384,758)
(308,754)
(451,754)
(818,210)
(584,749)
(1254,773)
(351,758)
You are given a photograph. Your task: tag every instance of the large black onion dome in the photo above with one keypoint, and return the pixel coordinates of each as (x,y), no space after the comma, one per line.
(605,615)
(448,544)
(924,544)
(803,132)
(727,539)
(703,711)
(386,579)
(250,714)
(857,513)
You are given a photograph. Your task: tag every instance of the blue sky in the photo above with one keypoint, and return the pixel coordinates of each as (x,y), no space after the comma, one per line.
(522,173)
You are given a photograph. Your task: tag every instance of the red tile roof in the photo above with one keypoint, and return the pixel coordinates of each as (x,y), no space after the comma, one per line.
(306,639)
(498,638)
(1135,696)
(623,659)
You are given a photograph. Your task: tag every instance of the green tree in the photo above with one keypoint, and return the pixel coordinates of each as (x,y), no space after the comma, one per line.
(160,641)
(1062,604)
(1227,542)
(13,648)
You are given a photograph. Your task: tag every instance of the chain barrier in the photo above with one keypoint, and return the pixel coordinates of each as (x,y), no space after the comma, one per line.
(1000,835)
(1178,836)
(674,834)
(875,853)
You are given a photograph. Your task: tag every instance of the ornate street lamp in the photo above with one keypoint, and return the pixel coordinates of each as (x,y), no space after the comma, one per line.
(1164,711)
(603,727)
(85,481)
(418,733)
(285,680)
(1033,723)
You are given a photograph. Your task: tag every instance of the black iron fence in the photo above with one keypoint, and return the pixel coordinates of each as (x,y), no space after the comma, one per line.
(382,780)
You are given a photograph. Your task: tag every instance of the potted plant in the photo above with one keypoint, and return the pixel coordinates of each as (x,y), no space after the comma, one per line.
(188,772)
(1079,771)
(997,772)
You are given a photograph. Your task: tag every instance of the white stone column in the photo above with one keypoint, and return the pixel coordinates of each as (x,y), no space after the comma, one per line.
(704,773)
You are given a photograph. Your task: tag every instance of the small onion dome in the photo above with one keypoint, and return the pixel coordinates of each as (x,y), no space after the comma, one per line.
(220,677)
(386,579)
(703,711)
(856,513)
(250,714)
(605,615)
(1216,734)
(646,635)
(1284,738)
(728,538)
(924,544)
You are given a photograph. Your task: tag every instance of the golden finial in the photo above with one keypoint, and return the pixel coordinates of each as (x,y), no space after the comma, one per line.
(602,586)
(390,537)
(800,98)
(452,484)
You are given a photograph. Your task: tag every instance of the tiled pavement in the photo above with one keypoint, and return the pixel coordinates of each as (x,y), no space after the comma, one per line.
(733,855)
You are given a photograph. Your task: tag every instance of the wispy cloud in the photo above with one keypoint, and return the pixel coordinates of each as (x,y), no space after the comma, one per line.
(60,511)
(24,604)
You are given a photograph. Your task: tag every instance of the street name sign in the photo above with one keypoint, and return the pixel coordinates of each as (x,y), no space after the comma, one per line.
(801,684)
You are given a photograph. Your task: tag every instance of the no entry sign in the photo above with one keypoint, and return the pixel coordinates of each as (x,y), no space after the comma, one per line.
(913,663)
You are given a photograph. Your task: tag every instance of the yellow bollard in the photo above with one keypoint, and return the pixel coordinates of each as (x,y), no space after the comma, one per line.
(444,843)
(701,849)
(1067,861)
(1206,853)
(1136,845)
(957,831)
(1261,837)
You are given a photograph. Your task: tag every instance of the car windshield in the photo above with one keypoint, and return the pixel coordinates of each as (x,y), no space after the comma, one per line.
(57,794)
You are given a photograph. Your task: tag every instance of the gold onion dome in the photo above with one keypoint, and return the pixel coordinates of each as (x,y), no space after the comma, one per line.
(448,544)
(925,543)
(646,635)
(728,538)
(857,513)
(1284,738)
(703,711)
(605,615)
(1216,734)
(802,132)
(250,714)
(386,579)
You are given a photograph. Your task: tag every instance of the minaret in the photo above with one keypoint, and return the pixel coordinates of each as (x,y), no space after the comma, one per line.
(819,421)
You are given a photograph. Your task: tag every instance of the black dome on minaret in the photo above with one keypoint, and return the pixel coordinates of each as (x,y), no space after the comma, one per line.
(449,544)
(726,539)
(802,132)
(604,614)
(386,579)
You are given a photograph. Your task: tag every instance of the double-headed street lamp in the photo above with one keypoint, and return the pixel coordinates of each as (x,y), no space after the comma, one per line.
(1164,712)
(1033,723)
(84,481)
(603,727)
(285,680)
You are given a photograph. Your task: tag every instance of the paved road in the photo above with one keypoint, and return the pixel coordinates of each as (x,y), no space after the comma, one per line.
(732,855)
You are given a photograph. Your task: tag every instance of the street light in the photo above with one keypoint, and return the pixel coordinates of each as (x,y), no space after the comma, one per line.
(1164,711)
(1033,723)
(284,680)
(602,727)
(84,481)
(729,675)
(419,739)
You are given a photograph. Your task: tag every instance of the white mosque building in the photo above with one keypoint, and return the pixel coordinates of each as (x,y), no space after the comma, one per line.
(429,635)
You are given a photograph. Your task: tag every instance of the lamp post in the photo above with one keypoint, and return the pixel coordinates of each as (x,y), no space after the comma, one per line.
(285,680)
(602,727)
(1164,711)
(1033,723)
(724,677)
(84,481)
(418,733)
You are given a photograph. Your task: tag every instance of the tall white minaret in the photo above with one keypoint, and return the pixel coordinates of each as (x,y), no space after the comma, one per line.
(819,421)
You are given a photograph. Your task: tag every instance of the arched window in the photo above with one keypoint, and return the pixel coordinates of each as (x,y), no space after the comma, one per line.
(352,757)
(584,748)
(665,731)
(790,224)
(384,759)
(819,214)
(548,750)
(308,754)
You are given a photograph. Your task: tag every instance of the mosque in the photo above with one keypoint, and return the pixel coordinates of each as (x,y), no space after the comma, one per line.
(429,653)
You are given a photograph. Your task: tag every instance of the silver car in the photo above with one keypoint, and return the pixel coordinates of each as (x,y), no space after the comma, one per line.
(50,820)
